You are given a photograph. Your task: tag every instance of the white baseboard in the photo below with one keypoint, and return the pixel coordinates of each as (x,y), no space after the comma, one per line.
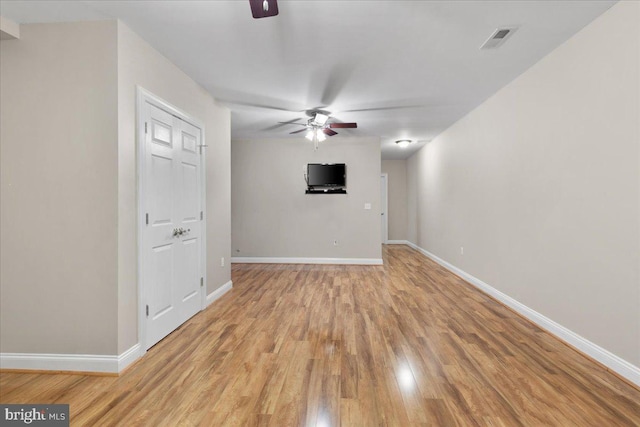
(397,242)
(608,359)
(219,292)
(129,356)
(337,261)
(85,362)
(417,248)
(70,362)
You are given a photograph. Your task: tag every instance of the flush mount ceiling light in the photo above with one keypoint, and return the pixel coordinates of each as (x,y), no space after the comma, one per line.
(403,143)
(498,37)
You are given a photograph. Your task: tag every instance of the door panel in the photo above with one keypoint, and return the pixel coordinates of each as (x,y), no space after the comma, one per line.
(189,142)
(161,133)
(172,198)
(162,274)
(190,206)
(191,282)
(161,194)
(188,278)
(189,209)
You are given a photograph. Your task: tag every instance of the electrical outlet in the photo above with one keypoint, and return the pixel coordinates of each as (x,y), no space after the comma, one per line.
(222,262)
(461,250)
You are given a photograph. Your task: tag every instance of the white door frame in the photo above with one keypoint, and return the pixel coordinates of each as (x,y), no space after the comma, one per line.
(385,204)
(143,96)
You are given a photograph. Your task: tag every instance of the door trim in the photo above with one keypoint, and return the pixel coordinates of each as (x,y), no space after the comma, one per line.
(143,96)
(385,204)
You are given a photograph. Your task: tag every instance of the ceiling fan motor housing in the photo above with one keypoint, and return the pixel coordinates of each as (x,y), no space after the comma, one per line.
(319,122)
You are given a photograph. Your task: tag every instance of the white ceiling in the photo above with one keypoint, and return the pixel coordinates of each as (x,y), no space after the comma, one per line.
(413,68)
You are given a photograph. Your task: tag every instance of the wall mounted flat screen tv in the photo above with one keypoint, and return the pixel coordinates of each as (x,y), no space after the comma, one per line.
(326,175)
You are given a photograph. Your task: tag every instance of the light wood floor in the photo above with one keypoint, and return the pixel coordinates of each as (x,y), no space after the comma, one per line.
(404,344)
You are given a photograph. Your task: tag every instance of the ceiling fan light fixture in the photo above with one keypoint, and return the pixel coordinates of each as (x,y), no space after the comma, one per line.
(320,135)
(310,135)
(403,143)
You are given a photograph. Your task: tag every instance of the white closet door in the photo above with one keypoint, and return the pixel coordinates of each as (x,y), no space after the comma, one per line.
(172,200)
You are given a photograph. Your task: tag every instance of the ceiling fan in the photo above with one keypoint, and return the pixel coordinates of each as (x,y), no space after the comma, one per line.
(318,126)
(263,8)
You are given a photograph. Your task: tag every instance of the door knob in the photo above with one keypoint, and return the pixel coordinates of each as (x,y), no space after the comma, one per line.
(178,232)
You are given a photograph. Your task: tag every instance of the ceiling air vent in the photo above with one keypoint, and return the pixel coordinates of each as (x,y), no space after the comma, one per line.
(498,37)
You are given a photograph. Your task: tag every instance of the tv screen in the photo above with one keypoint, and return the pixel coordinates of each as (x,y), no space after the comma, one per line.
(326,175)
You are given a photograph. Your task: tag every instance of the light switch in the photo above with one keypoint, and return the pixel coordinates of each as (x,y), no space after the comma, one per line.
(367,206)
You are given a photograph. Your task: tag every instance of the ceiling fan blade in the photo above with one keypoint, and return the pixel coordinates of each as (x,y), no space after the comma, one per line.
(256,105)
(329,132)
(267,104)
(337,79)
(298,131)
(400,107)
(343,125)
(263,8)
(281,124)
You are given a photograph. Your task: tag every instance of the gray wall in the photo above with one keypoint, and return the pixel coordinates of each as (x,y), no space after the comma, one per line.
(273,217)
(541,186)
(68,190)
(59,189)
(397,198)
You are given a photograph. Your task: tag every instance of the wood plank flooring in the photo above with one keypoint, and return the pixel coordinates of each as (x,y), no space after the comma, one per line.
(298,345)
